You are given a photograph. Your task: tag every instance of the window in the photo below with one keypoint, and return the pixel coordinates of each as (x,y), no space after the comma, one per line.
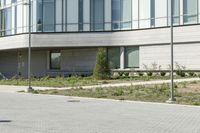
(39,15)
(116,17)
(176,11)
(48,15)
(114,57)
(14,1)
(80,15)
(126,15)
(55,58)
(97,15)
(59,15)
(152,13)
(8,21)
(190,11)
(121,14)
(132,57)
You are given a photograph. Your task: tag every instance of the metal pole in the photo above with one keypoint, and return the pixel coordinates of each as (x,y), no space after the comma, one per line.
(172,98)
(29,49)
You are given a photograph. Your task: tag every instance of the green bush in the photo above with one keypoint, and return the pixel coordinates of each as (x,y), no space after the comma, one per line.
(162,73)
(191,74)
(149,74)
(199,75)
(180,73)
(120,74)
(126,74)
(101,70)
(180,70)
(140,74)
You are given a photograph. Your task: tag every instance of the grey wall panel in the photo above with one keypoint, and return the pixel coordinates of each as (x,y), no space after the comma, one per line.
(93,39)
(78,59)
(139,37)
(38,63)
(13,42)
(187,55)
(8,63)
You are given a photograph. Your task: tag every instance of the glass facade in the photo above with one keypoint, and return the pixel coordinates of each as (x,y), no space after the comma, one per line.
(94,15)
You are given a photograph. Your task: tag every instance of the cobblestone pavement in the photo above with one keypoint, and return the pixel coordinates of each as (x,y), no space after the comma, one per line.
(27,113)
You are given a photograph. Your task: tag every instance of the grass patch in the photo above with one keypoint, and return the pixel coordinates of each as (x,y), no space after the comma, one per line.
(148,93)
(76,81)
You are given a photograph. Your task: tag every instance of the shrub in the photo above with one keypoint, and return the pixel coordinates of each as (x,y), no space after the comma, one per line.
(191,74)
(149,74)
(120,74)
(180,73)
(199,75)
(180,70)
(126,74)
(101,70)
(162,73)
(140,74)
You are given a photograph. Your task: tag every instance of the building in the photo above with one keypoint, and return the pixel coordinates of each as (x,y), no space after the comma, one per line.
(67,33)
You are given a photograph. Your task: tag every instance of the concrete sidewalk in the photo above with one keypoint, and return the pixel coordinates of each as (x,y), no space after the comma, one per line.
(7,88)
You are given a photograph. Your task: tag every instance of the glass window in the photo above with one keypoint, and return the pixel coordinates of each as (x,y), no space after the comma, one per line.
(55,58)
(14,1)
(72,15)
(121,14)
(126,15)
(39,15)
(59,15)
(80,15)
(8,22)
(132,57)
(2,22)
(144,13)
(114,58)
(176,11)
(48,15)
(190,11)
(116,17)
(97,15)
(152,12)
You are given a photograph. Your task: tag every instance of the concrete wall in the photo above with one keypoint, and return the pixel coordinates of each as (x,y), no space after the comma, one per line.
(184,54)
(78,59)
(8,63)
(72,60)
(38,63)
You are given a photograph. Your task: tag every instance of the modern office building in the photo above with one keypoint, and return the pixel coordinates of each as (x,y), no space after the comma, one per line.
(67,33)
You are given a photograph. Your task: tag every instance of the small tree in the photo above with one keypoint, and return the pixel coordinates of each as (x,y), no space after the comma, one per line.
(101,70)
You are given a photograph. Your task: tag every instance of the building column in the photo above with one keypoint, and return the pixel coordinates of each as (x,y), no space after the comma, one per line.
(122,58)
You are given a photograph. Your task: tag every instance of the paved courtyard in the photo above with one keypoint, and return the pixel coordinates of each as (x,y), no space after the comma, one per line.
(27,113)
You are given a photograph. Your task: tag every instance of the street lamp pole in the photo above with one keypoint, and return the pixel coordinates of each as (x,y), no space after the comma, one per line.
(172,98)
(29,89)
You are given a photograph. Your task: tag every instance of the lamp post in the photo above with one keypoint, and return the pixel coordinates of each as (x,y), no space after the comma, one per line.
(29,89)
(172,98)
